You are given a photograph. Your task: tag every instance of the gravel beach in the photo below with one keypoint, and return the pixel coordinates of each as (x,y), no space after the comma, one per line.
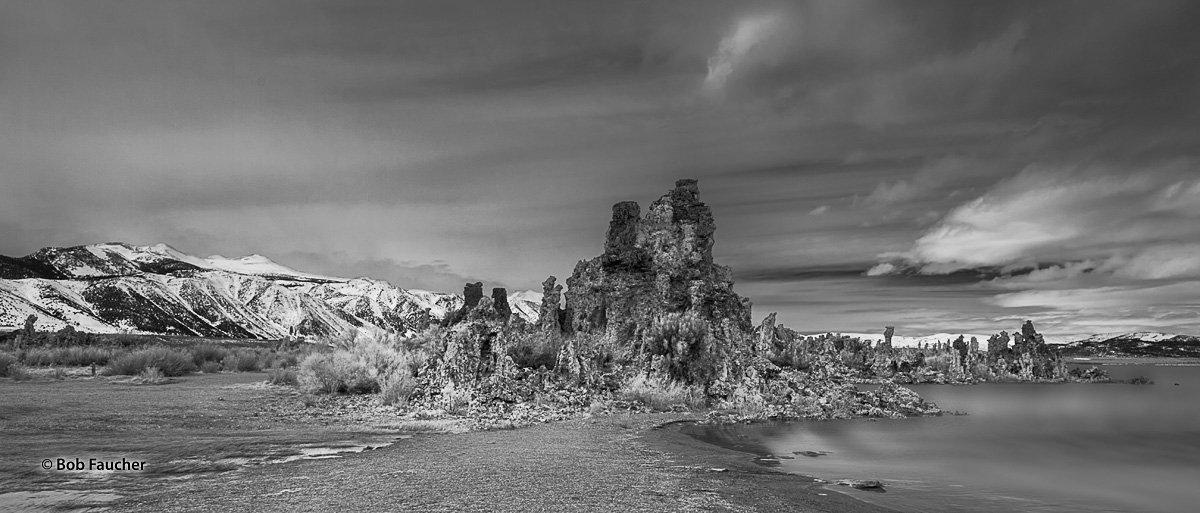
(608,463)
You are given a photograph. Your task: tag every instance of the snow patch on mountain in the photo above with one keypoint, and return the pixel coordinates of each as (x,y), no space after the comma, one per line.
(527,304)
(1145,336)
(56,303)
(258,265)
(117,287)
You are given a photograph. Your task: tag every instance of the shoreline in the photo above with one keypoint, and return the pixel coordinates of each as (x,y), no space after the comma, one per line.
(614,461)
(626,463)
(749,484)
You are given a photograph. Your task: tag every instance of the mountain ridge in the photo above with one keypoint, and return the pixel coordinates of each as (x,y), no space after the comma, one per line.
(1135,344)
(117,287)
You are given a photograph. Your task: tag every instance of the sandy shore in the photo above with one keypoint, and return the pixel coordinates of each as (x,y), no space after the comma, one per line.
(603,463)
(607,463)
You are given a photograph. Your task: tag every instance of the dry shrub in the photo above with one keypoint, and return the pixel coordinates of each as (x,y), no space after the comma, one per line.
(170,362)
(208,353)
(336,373)
(242,360)
(367,363)
(686,345)
(661,394)
(597,407)
(151,376)
(534,350)
(941,362)
(397,388)
(747,401)
(7,361)
(281,376)
(983,371)
(19,372)
(76,356)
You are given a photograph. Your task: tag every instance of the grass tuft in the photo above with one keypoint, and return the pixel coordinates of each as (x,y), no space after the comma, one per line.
(663,395)
(151,376)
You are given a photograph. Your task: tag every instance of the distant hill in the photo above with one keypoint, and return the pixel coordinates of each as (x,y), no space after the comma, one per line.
(1139,344)
(117,287)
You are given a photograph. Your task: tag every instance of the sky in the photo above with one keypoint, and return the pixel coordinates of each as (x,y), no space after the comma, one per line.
(939,166)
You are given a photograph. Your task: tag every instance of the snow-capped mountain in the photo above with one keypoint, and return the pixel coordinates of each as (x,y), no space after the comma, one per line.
(116,287)
(527,304)
(1143,343)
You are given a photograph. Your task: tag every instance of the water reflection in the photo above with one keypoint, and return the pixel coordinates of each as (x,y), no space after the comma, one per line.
(1065,447)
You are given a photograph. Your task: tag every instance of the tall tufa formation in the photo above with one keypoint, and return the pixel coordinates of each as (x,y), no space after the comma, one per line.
(496,307)
(550,314)
(472,293)
(886,343)
(655,269)
(1030,339)
(500,302)
(998,343)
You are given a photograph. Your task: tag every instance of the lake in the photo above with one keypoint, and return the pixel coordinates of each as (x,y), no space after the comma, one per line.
(1022,447)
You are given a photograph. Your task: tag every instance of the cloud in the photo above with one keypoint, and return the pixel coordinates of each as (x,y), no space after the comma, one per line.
(748,33)
(882,269)
(1160,262)
(1105,299)
(929,180)
(821,210)
(1119,244)
(435,276)
(1054,215)
(478,133)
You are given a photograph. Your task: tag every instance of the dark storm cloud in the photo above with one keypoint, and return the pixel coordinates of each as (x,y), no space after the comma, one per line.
(479,134)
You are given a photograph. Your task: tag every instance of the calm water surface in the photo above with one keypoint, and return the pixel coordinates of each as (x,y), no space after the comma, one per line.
(1023,447)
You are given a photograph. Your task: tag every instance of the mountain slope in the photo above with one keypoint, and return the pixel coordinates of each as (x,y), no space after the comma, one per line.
(115,287)
(1140,344)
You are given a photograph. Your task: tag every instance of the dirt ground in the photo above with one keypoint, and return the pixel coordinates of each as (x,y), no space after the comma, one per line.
(205,439)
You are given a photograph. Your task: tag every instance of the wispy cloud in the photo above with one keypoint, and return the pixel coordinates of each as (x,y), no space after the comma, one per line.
(1118,245)
(748,34)
(1051,215)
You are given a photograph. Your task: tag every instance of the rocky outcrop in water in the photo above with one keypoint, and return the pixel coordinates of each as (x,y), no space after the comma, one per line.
(654,317)
(948,361)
